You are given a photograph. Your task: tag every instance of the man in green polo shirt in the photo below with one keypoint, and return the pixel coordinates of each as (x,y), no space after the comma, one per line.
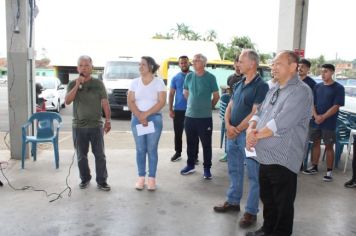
(89,99)
(202,93)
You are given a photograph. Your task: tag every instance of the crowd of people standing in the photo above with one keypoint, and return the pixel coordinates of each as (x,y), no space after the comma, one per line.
(268,127)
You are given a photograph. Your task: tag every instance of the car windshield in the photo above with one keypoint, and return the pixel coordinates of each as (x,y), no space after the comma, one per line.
(350,91)
(47,83)
(351,82)
(341,81)
(122,70)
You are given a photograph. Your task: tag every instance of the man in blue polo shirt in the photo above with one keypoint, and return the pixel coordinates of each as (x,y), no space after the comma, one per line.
(249,93)
(329,96)
(180,105)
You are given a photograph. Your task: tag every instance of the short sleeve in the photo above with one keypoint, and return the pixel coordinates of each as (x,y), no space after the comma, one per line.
(261,92)
(103,93)
(70,86)
(173,82)
(214,84)
(161,86)
(340,96)
(186,81)
(133,85)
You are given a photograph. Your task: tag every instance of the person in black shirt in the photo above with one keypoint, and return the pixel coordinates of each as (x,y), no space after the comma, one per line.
(233,79)
(352,182)
(303,71)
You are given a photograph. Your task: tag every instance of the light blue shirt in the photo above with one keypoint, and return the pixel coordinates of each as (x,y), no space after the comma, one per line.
(177,82)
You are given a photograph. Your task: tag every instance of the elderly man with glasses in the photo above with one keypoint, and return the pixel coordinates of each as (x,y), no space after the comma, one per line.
(278,132)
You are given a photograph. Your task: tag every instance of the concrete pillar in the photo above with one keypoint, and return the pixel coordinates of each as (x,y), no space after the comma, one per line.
(20,66)
(292,26)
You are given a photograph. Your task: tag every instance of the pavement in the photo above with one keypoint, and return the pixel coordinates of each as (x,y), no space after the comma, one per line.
(181,205)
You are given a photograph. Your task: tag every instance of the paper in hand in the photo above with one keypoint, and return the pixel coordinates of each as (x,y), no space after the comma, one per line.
(251,153)
(142,130)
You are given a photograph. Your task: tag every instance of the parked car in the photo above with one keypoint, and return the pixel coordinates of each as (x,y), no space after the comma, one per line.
(3,79)
(317,79)
(53,92)
(351,82)
(350,99)
(117,77)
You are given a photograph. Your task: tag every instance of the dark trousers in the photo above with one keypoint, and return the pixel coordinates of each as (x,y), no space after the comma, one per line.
(354,161)
(81,138)
(195,129)
(178,125)
(278,187)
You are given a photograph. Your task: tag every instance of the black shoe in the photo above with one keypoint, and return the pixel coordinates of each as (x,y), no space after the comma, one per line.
(226,207)
(259,232)
(176,157)
(350,184)
(104,186)
(311,171)
(84,184)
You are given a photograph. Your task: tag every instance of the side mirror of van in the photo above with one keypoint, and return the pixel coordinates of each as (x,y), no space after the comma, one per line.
(100,76)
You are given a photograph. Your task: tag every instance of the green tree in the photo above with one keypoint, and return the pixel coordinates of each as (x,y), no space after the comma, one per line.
(242,42)
(182,31)
(222,50)
(161,36)
(211,36)
(194,36)
(227,52)
(265,57)
(235,47)
(316,64)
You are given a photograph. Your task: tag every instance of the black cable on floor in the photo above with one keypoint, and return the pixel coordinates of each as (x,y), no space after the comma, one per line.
(28,187)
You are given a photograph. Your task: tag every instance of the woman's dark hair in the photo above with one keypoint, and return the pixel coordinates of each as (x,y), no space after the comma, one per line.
(152,65)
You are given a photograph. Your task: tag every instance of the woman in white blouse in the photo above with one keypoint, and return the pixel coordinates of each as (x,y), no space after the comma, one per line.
(146,98)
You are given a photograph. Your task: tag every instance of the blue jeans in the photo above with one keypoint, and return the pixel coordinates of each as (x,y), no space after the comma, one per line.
(147,144)
(236,158)
(81,138)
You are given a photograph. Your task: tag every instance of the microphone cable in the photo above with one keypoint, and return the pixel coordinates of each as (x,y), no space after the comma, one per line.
(29,187)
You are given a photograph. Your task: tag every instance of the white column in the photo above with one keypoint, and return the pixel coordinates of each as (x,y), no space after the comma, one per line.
(292,26)
(20,66)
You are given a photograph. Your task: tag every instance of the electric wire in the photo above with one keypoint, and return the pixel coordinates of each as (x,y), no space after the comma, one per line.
(29,187)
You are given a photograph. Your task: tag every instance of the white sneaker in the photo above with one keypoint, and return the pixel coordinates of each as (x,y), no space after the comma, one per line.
(328,177)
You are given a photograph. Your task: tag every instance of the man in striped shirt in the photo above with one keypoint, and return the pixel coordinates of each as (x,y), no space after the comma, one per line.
(278,132)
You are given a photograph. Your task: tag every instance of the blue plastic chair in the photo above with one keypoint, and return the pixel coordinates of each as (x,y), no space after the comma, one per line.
(342,137)
(47,126)
(224,100)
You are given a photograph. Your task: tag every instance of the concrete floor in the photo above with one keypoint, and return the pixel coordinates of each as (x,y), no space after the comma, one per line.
(181,205)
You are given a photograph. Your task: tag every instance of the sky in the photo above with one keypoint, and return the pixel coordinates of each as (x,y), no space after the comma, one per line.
(330,30)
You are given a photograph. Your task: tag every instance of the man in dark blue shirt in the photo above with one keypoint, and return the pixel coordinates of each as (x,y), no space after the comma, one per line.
(303,70)
(248,94)
(329,96)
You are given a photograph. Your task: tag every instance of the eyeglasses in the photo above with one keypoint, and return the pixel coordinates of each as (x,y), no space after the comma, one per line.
(274,97)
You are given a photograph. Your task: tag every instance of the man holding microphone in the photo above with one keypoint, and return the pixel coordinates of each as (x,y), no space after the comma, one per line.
(89,98)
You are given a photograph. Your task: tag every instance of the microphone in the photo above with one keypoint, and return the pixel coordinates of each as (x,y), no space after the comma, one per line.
(80,85)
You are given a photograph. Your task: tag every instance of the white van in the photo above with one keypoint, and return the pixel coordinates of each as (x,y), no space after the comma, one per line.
(117,78)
